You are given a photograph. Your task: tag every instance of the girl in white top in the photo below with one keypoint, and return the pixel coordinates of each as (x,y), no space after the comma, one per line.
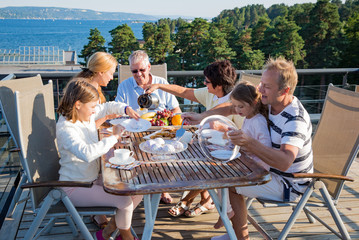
(80,151)
(247,103)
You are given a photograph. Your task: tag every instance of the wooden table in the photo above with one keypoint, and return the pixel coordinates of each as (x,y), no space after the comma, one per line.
(190,171)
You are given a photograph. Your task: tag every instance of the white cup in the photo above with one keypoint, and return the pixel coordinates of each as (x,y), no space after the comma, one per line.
(122,155)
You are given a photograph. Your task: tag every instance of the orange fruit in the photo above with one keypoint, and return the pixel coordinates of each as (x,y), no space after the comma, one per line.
(176,120)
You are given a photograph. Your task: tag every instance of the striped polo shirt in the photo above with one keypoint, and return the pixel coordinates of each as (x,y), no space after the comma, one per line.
(293,127)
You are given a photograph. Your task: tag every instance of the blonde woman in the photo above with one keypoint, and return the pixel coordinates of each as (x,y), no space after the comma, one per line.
(99,72)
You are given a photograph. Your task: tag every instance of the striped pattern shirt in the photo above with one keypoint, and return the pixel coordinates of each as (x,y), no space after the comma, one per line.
(293,127)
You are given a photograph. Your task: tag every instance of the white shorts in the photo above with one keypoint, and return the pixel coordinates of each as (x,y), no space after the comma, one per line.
(273,190)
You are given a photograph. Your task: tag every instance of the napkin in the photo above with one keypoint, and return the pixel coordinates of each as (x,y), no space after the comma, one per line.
(124,167)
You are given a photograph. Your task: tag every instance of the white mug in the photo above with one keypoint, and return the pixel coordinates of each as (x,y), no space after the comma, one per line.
(123,154)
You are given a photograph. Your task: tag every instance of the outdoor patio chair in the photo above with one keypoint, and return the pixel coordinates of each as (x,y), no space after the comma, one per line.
(9,77)
(254,79)
(157,70)
(335,146)
(8,86)
(37,141)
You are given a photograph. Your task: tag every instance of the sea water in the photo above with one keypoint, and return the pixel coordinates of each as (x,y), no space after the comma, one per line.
(68,35)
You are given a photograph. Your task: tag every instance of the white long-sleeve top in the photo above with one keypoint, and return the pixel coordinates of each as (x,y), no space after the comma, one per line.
(79,147)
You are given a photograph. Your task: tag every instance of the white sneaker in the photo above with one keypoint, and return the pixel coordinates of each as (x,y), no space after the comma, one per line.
(221,237)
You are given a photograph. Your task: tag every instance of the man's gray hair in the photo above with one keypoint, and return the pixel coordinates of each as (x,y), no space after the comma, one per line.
(138,56)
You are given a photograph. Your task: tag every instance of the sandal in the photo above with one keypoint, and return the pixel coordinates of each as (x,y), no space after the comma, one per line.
(99,225)
(175,211)
(193,212)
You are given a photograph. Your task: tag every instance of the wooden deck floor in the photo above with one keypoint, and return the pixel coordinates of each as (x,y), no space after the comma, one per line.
(201,227)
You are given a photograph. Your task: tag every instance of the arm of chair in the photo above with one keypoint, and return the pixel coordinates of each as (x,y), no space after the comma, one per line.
(14,150)
(57,184)
(322,175)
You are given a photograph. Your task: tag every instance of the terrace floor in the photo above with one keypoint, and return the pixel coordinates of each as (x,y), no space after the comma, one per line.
(200,227)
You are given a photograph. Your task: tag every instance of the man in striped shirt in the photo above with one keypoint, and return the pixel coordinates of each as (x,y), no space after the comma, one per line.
(291,150)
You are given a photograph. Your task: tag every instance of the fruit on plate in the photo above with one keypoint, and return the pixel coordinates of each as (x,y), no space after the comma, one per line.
(159,118)
(148,116)
(176,120)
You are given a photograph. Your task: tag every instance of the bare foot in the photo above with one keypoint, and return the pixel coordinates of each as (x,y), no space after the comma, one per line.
(166,198)
(219,223)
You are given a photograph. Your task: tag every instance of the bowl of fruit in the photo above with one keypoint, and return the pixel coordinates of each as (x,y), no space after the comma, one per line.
(163,118)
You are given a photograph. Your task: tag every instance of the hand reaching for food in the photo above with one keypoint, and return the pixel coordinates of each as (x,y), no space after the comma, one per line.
(117,131)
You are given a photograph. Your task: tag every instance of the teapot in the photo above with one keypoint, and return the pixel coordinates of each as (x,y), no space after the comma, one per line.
(149,101)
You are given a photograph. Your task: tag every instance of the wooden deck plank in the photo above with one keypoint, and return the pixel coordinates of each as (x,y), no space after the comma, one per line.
(201,227)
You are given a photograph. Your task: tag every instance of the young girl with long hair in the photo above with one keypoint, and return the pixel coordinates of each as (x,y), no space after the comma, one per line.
(80,151)
(247,103)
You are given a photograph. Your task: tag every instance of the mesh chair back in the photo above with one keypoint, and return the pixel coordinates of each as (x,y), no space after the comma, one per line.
(37,137)
(335,143)
(124,71)
(7,99)
(254,79)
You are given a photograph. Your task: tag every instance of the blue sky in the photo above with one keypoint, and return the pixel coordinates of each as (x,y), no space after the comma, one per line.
(194,8)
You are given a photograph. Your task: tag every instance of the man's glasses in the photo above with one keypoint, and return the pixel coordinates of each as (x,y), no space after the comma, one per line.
(136,71)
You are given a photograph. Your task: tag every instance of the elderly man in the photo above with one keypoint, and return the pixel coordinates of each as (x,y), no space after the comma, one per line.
(129,90)
(291,150)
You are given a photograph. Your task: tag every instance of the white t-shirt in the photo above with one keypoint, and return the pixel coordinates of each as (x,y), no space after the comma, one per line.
(257,128)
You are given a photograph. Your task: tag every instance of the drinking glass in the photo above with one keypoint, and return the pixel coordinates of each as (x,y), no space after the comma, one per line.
(125,136)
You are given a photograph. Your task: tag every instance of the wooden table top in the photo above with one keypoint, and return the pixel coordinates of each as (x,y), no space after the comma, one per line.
(200,173)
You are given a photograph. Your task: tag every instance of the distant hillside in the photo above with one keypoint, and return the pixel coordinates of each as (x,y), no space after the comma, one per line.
(68,13)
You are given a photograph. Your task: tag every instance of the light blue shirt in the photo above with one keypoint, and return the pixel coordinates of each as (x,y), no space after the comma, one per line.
(128,92)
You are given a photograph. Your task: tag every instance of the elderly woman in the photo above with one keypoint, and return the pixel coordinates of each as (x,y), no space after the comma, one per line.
(220,78)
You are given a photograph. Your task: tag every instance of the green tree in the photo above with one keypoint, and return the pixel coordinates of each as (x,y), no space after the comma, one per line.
(244,17)
(282,39)
(300,14)
(348,9)
(189,40)
(277,10)
(215,47)
(123,43)
(258,30)
(252,60)
(242,43)
(96,44)
(352,33)
(322,35)
(158,42)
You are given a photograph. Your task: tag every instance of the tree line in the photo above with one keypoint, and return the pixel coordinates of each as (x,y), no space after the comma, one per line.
(324,34)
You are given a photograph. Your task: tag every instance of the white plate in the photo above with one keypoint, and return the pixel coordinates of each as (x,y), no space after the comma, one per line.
(109,129)
(118,161)
(218,141)
(207,133)
(117,121)
(133,125)
(224,154)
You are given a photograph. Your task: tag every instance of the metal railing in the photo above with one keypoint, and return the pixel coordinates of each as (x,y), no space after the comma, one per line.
(32,55)
(311,88)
